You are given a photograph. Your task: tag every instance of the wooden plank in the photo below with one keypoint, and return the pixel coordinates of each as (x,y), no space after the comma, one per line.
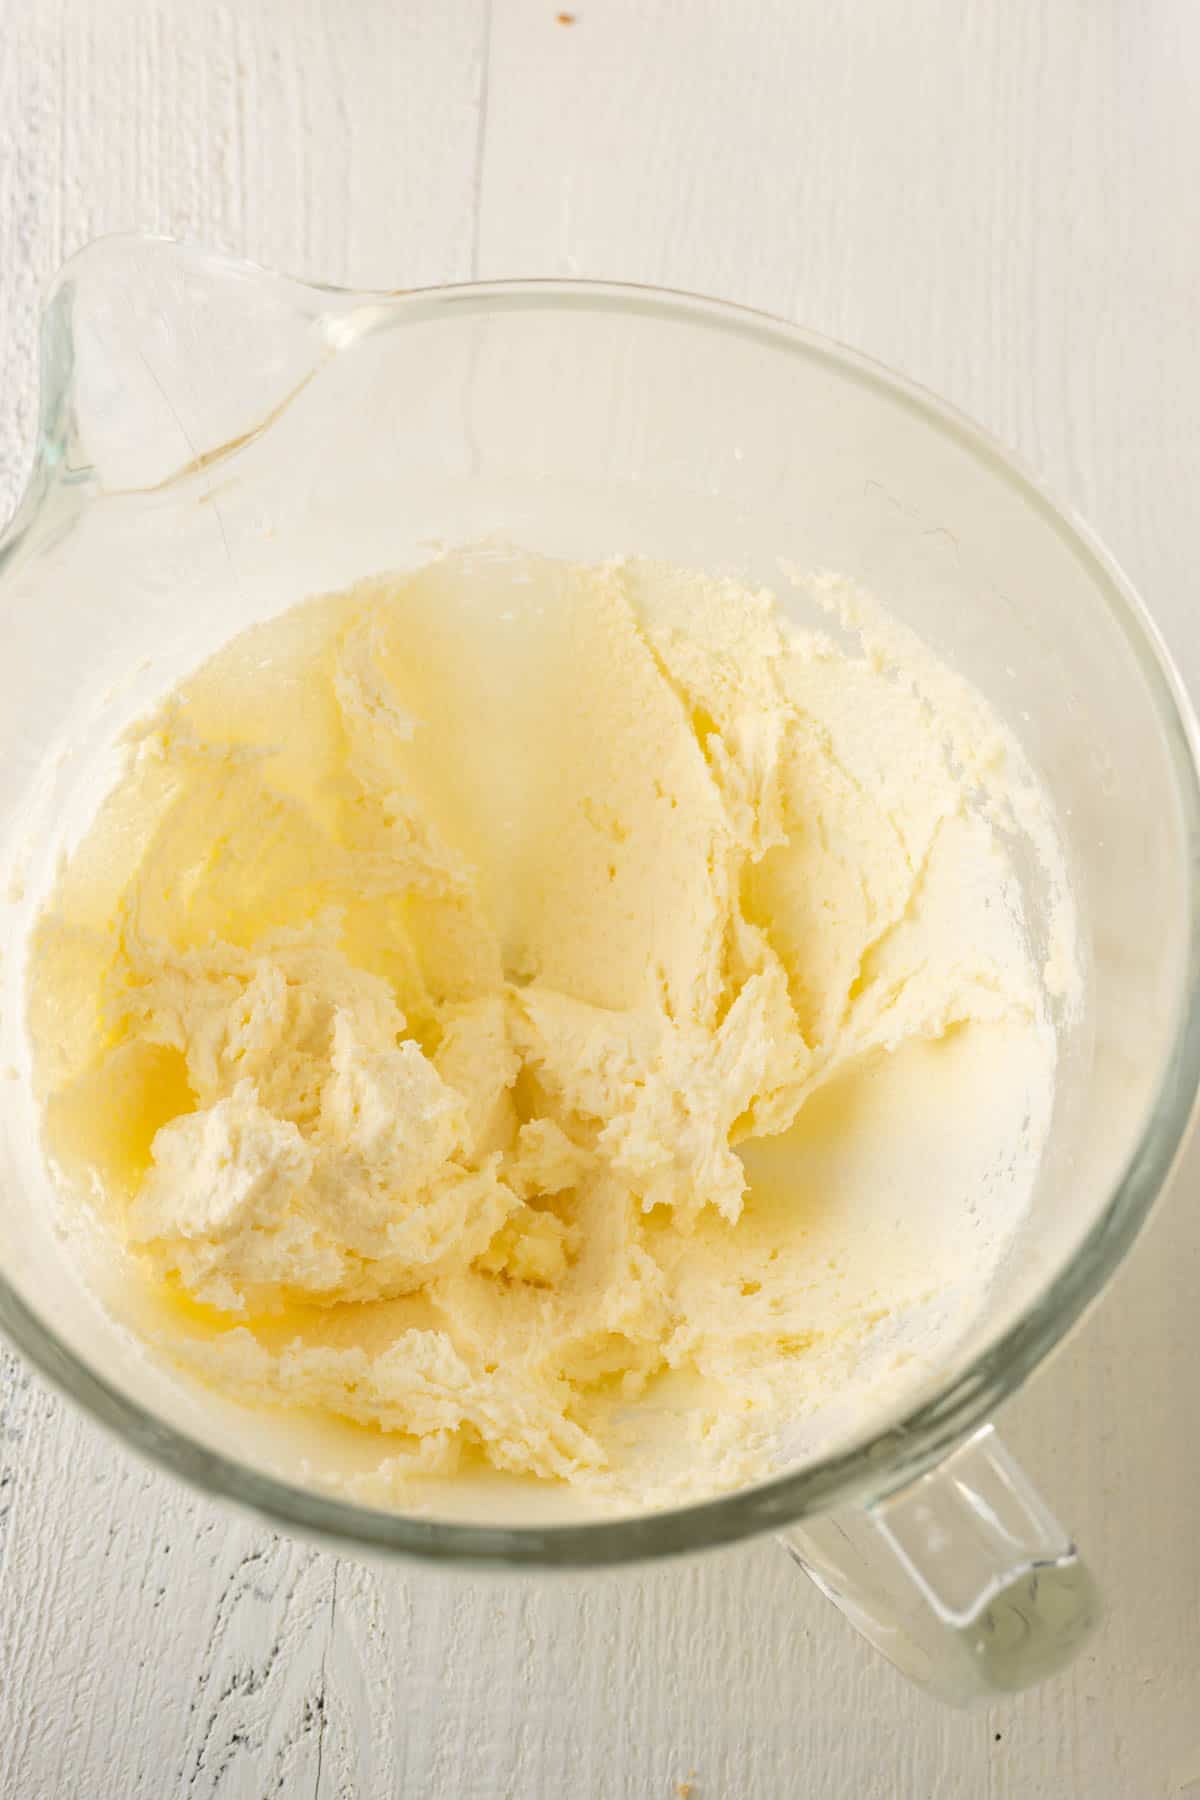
(988,198)
(151,1643)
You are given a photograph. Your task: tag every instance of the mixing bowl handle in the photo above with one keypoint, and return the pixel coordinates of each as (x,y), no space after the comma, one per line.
(964,1578)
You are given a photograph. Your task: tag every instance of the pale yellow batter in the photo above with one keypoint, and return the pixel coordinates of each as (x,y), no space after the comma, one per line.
(410,998)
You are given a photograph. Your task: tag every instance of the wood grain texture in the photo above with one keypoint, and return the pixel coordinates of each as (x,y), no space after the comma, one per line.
(998,197)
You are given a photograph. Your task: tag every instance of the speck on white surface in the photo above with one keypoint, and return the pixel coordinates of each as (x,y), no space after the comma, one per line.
(997,198)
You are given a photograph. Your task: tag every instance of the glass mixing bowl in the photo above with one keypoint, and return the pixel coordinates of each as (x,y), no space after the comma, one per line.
(217,442)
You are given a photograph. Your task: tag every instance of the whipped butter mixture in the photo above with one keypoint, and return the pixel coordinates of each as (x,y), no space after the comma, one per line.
(559,1018)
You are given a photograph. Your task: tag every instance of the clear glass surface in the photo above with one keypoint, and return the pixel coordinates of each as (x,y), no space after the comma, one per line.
(218,442)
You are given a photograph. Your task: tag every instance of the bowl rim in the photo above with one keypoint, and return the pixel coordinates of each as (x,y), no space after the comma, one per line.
(916,1437)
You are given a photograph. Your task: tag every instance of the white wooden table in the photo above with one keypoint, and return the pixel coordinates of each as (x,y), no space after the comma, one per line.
(998,197)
